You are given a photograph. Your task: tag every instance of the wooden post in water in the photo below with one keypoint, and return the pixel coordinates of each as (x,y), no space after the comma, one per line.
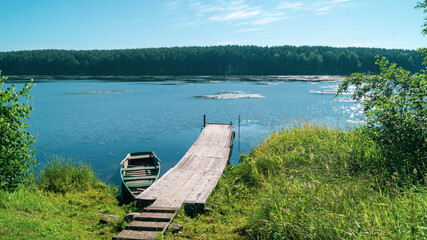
(204,120)
(239,134)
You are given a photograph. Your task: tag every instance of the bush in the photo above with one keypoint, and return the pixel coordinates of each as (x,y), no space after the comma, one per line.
(395,109)
(16,144)
(61,175)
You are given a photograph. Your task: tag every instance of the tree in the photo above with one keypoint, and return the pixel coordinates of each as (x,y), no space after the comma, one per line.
(17,153)
(215,60)
(424,30)
(423,5)
(395,106)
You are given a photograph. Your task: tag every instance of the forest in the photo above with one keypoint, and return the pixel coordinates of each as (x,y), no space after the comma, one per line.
(211,60)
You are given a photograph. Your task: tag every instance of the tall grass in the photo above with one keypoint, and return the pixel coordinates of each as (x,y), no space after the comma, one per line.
(294,208)
(324,183)
(312,182)
(318,149)
(63,203)
(62,175)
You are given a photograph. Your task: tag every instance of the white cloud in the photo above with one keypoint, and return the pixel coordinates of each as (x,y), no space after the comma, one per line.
(236,15)
(317,7)
(172,5)
(290,5)
(268,18)
(245,15)
(195,4)
(265,20)
(336,1)
(322,10)
(250,29)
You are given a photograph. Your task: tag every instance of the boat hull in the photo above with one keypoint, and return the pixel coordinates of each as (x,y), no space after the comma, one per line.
(138,171)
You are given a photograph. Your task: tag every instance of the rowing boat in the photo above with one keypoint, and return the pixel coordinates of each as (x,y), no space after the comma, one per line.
(138,171)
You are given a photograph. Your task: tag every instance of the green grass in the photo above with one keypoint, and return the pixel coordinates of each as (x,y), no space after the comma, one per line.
(62,175)
(310,182)
(63,204)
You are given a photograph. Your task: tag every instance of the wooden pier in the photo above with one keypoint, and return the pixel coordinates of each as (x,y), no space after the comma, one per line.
(190,183)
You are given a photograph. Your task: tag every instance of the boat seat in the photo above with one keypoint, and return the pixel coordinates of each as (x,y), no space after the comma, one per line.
(139,178)
(140,157)
(138,185)
(139,168)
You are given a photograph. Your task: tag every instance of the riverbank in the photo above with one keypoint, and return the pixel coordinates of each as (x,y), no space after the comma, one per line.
(308,182)
(66,201)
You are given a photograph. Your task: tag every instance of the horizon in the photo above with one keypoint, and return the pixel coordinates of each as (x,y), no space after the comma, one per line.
(142,48)
(114,25)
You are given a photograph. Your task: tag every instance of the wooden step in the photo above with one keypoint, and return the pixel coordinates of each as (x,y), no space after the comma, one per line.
(154,217)
(161,209)
(135,235)
(147,226)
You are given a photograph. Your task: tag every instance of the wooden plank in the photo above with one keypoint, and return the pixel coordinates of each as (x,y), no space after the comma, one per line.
(137,173)
(154,216)
(170,195)
(139,178)
(139,168)
(137,184)
(197,190)
(209,153)
(191,181)
(147,226)
(208,189)
(161,210)
(136,235)
(145,156)
(180,196)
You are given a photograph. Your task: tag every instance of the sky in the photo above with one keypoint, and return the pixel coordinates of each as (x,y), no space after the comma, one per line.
(127,24)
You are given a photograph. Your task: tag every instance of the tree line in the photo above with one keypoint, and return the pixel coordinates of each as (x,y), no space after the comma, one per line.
(213,60)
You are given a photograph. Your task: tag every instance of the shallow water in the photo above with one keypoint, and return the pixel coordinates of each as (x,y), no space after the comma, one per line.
(100,121)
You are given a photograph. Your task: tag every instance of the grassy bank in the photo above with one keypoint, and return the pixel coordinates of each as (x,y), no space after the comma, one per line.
(65,202)
(310,182)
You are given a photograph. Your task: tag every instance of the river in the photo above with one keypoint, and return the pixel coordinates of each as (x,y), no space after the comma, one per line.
(100,121)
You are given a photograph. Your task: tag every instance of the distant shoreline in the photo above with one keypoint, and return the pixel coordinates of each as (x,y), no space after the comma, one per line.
(187,78)
(214,60)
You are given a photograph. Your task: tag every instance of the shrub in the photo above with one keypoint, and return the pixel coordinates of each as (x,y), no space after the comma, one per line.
(395,109)
(16,144)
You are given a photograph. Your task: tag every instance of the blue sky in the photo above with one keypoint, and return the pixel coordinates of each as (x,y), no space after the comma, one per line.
(113,24)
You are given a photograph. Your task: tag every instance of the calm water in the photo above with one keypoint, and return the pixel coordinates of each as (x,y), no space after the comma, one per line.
(100,121)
